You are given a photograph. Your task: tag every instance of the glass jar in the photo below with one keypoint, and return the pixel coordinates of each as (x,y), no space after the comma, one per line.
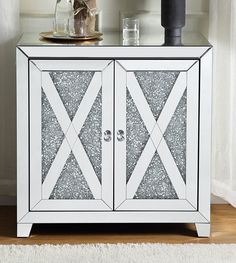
(82,22)
(63,12)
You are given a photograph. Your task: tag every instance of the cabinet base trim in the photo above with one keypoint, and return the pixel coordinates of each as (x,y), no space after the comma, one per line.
(113,217)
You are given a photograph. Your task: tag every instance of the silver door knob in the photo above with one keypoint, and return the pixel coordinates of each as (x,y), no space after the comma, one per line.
(120,135)
(107,136)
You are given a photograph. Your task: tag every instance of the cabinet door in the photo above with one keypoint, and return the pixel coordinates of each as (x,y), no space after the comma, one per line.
(71,144)
(156,159)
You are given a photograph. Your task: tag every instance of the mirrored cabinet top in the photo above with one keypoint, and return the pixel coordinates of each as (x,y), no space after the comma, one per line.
(113,39)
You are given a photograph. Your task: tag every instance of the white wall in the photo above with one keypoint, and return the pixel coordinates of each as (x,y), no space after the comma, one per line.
(37,16)
(47,6)
(35,10)
(9,33)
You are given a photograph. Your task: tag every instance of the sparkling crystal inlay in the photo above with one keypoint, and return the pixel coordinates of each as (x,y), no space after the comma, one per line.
(156,86)
(52,136)
(156,183)
(71,86)
(175,135)
(136,135)
(91,135)
(71,183)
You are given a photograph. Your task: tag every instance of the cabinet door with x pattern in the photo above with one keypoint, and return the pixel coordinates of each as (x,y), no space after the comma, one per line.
(156,160)
(71,144)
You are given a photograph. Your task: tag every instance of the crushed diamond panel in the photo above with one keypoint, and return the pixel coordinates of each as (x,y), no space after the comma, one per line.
(71,86)
(175,135)
(136,135)
(71,183)
(156,183)
(156,86)
(52,136)
(91,135)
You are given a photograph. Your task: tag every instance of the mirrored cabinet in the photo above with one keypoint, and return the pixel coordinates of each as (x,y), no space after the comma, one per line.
(108,133)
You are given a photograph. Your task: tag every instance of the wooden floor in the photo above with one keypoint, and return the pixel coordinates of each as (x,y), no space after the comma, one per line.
(223,231)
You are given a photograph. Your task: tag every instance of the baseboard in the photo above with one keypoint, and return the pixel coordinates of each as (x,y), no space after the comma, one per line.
(7,192)
(7,200)
(11,200)
(217,200)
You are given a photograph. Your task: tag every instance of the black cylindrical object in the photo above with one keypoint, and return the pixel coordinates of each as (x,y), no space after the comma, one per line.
(173,19)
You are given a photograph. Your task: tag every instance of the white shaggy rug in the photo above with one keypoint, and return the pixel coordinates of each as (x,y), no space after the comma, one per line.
(120,253)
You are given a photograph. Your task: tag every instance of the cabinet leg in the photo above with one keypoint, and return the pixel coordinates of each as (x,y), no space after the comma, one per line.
(203,229)
(23,230)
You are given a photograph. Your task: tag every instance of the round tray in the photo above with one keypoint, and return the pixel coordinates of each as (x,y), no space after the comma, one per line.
(49,35)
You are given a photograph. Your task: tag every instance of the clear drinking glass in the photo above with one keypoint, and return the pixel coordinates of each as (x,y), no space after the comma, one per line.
(78,28)
(63,11)
(60,27)
(130,29)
